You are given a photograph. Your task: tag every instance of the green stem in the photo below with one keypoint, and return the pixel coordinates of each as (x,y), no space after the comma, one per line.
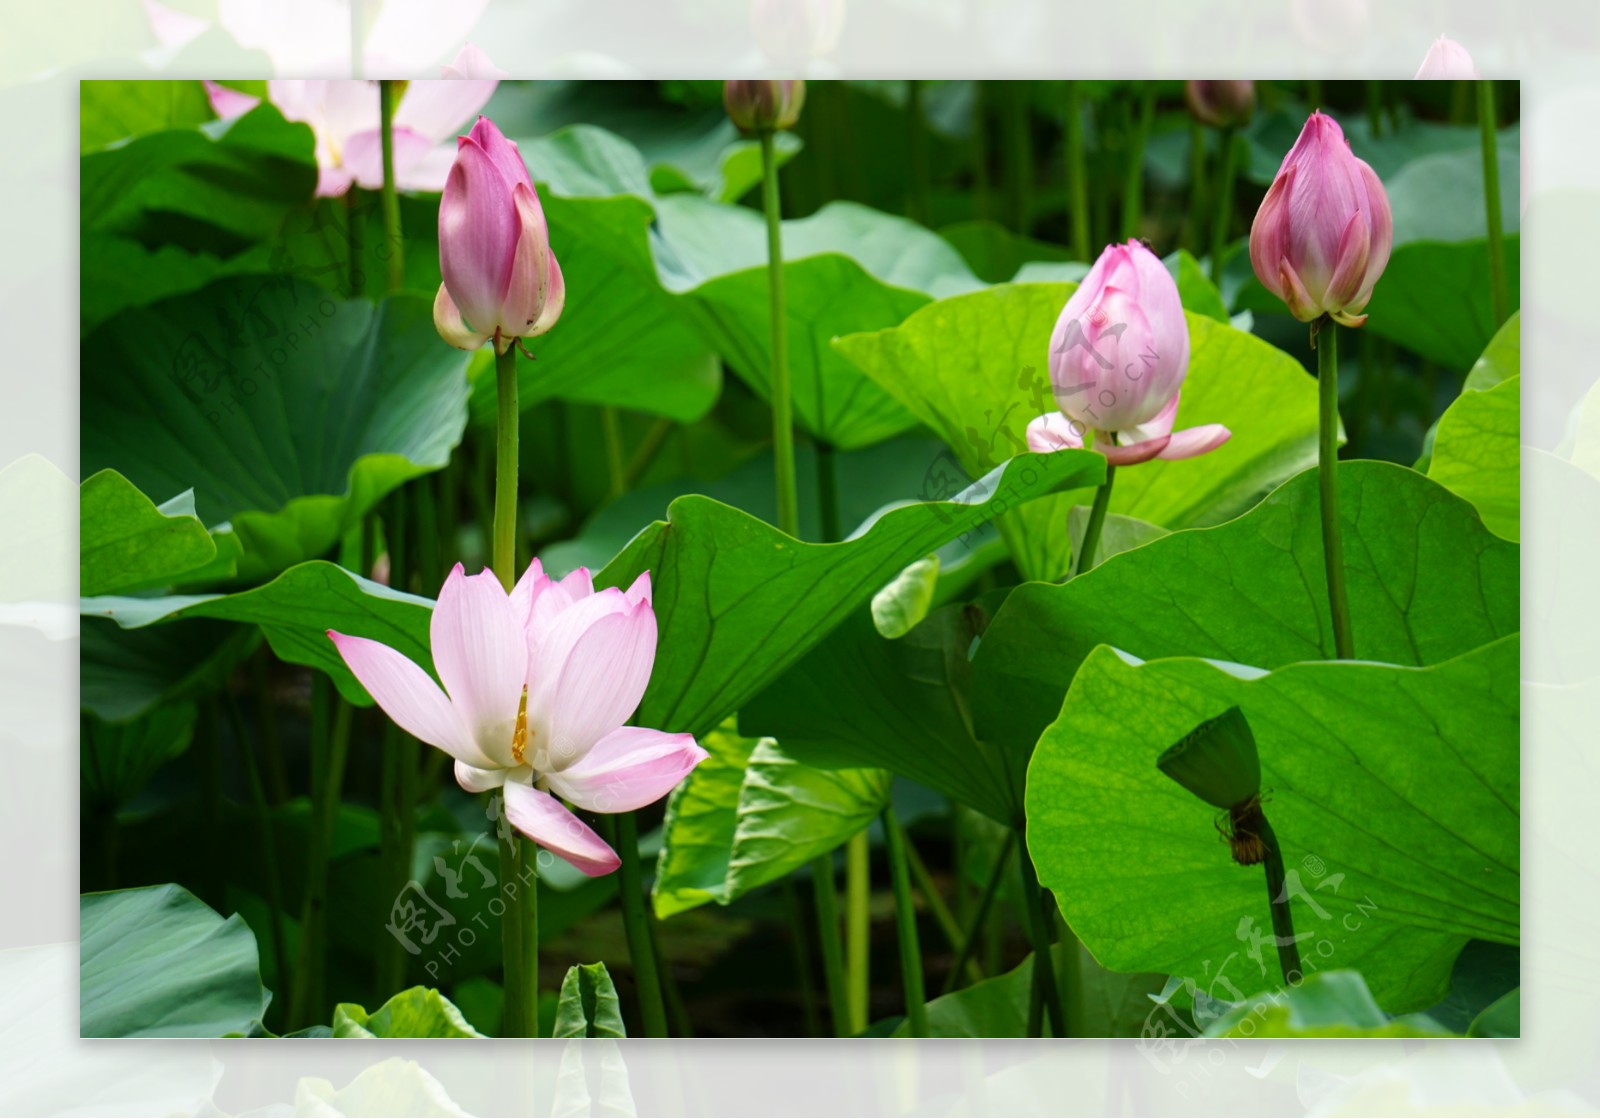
(277,772)
(906,924)
(782,406)
(265,835)
(1133,172)
(803,968)
(1077,174)
(397,757)
(390,196)
(975,923)
(1487,119)
(1223,220)
(1097,520)
(616,473)
(505,468)
(636,924)
(1375,107)
(1326,340)
(1195,232)
(858,926)
(833,971)
(1278,897)
(1045,990)
(307,990)
(936,906)
(1019,157)
(518,1008)
(917,207)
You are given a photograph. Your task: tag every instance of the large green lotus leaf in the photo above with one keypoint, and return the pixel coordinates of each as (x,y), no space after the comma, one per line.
(973,368)
(1394,792)
(1326,1004)
(118,759)
(1426,582)
(859,697)
(418,1012)
(295,611)
(588,1005)
(1477,453)
(159,962)
(847,268)
(109,111)
(123,674)
(1434,298)
(738,601)
(752,813)
(126,541)
(995,254)
(1501,358)
(289,414)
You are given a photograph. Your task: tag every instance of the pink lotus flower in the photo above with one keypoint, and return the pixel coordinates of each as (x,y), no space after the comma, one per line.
(1323,233)
(537,686)
(501,279)
(1118,357)
(345,119)
(1447,59)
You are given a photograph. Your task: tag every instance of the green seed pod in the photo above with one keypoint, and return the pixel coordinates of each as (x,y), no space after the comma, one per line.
(1217,761)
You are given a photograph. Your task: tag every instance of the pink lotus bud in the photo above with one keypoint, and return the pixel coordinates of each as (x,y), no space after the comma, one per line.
(1118,358)
(1221,104)
(1447,59)
(501,279)
(761,106)
(1322,236)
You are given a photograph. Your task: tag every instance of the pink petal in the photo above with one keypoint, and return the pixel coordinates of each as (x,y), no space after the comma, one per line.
(1351,269)
(1269,233)
(640,591)
(555,299)
(481,657)
(428,174)
(363,155)
(1381,219)
(409,696)
(172,28)
(1160,424)
(502,153)
(229,103)
(471,62)
(440,109)
(332,182)
(1133,453)
(530,271)
(528,588)
(1295,295)
(628,769)
(450,325)
(603,676)
(1054,432)
(475,780)
(348,107)
(1192,441)
(552,600)
(540,817)
(477,236)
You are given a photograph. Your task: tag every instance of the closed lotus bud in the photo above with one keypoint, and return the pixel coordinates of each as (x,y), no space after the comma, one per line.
(501,279)
(1221,104)
(1322,236)
(762,106)
(1447,59)
(1217,761)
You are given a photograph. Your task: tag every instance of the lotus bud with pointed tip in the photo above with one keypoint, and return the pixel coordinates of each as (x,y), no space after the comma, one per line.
(1216,761)
(1323,233)
(1221,104)
(501,279)
(1447,59)
(763,106)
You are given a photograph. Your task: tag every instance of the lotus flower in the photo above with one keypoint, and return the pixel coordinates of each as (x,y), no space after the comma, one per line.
(1447,59)
(761,106)
(345,119)
(1220,104)
(537,687)
(1118,357)
(1323,233)
(501,279)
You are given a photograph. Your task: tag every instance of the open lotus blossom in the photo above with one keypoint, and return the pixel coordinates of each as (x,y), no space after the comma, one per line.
(1323,233)
(1118,357)
(345,119)
(1447,59)
(501,278)
(537,687)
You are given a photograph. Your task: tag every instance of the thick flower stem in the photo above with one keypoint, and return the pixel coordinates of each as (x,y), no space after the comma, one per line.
(1223,221)
(1045,991)
(833,972)
(858,926)
(1133,173)
(782,405)
(906,924)
(328,780)
(1499,292)
(505,469)
(1077,174)
(974,929)
(518,1007)
(1326,337)
(1278,896)
(391,199)
(1097,520)
(636,924)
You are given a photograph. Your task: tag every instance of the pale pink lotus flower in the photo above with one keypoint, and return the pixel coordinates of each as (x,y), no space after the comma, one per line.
(501,278)
(1118,357)
(346,120)
(537,687)
(1446,60)
(1323,233)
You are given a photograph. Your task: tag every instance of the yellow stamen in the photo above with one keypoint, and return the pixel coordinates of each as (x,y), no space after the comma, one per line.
(519,736)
